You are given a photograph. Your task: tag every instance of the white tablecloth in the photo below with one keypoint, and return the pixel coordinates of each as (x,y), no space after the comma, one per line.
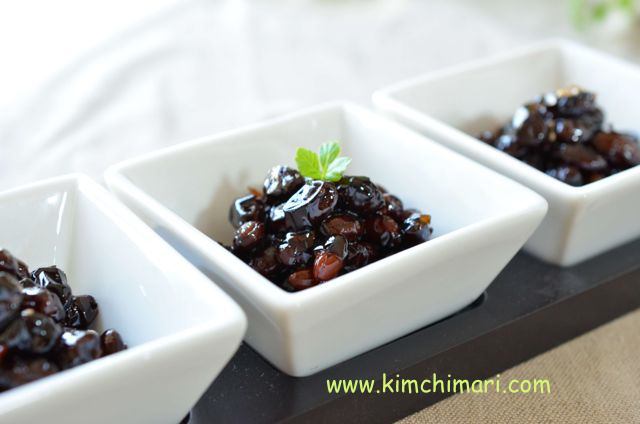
(85,84)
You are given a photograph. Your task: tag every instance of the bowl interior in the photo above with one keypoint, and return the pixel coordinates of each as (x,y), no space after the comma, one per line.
(199,181)
(138,288)
(38,224)
(484,96)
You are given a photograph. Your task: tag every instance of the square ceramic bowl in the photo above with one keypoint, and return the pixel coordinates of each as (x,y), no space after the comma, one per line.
(454,105)
(180,328)
(481,219)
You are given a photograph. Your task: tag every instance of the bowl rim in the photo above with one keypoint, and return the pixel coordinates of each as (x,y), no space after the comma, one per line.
(252,284)
(233,320)
(385,99)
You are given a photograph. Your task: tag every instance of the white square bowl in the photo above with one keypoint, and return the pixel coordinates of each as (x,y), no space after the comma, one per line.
(454,105)
(481,219)
(180,328)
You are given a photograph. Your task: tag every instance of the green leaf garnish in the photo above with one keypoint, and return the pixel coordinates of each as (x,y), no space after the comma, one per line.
(336,169)
(326,167)
(308,163)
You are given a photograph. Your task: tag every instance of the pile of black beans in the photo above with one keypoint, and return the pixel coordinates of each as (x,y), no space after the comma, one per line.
(299,232)
(44,327)
(563,135)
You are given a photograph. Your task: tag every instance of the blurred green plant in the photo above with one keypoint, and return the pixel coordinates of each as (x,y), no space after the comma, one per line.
(585,12)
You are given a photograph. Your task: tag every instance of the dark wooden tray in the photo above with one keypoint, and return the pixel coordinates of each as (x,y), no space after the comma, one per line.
(530,308)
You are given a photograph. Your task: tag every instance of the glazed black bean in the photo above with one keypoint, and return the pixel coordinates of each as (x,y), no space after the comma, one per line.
(327,266)
(297,249)
(337,245)
(360,195)
(31,333)
(302,279)
(275,219)
(81,313)
(17,371)
(43,301)
(393,206)
(416,229)
(583,157)
(15,336)
(44,328)
(562,134)
(244,209)
(281,183)
(10,299)
(267,262)
(567,174)
(7,262)
(78,347)
(249,237)
(55,280)
(310,205)
(384,231)
(621,150)
(530,125)
(573,102)
(346,225)
(43,332)
(111,342)
(323,229)
(360,254)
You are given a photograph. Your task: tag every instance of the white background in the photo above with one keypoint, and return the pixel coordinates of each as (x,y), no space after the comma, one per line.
(84,84)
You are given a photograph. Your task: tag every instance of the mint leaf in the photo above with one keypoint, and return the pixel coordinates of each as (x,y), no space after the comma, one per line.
(328,153)
(326,167)
(336,169)
(308,163)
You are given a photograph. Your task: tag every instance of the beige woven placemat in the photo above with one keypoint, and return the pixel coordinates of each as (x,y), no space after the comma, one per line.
(594,379)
